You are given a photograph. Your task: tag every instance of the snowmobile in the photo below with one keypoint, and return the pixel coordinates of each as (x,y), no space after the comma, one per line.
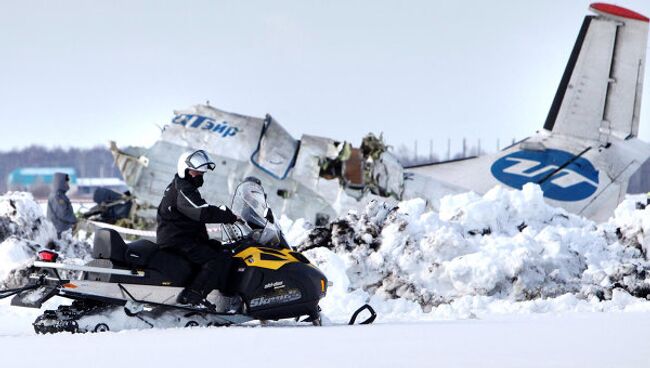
(135,285)
(110,207)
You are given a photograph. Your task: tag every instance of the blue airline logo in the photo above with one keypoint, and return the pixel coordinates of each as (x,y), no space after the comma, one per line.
(206,123)
(574,182)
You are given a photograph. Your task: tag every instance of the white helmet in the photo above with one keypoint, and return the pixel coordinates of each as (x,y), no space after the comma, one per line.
(194,160)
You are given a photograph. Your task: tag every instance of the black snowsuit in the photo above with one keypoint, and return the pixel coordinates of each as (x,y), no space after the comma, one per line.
(182,215)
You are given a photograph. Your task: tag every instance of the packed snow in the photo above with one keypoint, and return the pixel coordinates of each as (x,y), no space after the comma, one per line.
(501,265)
(504,252)
(578,340)
(501,253)
(24,230)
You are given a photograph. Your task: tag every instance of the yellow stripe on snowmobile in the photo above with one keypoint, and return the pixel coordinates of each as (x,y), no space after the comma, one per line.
(275,258)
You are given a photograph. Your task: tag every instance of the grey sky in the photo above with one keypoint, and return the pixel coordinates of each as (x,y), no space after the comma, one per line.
(85,72)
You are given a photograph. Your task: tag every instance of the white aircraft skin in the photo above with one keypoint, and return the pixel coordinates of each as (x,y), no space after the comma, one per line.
(588,149)
(582,158)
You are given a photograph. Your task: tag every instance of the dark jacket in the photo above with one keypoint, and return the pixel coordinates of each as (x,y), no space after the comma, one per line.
(59,208)
(183,213)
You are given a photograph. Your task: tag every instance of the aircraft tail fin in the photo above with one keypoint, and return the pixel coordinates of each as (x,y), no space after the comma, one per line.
(599,96)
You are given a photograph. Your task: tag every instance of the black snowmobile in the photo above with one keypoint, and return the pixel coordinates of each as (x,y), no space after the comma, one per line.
(110,207)
(135,285)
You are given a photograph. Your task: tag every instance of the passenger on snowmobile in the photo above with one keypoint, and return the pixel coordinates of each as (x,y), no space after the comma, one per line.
(182,215)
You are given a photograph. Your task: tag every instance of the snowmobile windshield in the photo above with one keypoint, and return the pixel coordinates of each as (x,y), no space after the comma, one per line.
(249,203)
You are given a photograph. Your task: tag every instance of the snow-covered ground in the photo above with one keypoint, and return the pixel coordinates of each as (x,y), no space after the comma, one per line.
(495,280)
(535,340)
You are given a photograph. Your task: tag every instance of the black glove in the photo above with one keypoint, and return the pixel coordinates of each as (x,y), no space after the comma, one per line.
(229,216)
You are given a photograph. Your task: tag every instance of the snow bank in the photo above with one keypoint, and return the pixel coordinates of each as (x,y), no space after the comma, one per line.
(501,253)
(24,230)
(504,252)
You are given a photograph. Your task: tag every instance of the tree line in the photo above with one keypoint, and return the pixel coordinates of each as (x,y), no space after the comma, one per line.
(98,162)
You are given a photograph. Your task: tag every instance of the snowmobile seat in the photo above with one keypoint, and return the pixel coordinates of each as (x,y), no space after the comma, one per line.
(166,268)
(162,267)
(108,244)
(140,252)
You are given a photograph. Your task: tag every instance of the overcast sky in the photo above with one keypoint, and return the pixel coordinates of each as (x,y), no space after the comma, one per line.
(81,73)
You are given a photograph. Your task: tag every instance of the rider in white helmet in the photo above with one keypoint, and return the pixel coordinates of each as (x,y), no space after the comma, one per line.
(182,215)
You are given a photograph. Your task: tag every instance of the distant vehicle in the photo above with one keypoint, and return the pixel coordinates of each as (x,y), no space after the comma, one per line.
(582,158)
(111,206)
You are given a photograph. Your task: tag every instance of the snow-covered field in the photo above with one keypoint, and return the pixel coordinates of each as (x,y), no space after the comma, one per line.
(496,280)
(575,340)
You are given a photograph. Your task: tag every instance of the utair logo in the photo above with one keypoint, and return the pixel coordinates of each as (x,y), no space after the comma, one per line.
(206,123)
(574,182)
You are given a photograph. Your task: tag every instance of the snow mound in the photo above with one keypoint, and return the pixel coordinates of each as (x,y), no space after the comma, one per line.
(24,230)
(21,216)
(504,251)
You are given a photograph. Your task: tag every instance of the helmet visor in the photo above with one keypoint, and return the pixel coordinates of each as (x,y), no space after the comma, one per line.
(199,161)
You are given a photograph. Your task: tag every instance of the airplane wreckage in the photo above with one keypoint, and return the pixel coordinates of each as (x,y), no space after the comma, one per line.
(582,158)
(313,177)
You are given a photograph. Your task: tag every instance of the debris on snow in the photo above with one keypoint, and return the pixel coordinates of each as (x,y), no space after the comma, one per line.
(507,246)
(24,230)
